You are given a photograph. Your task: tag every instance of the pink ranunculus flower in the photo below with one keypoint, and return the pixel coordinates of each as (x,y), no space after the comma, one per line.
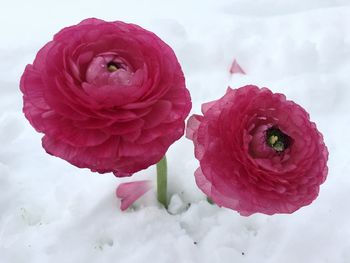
(258,152)
(109,96)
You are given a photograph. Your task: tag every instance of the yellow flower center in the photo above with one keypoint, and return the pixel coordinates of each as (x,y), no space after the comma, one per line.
(273,139)
(112,66)
(277,140)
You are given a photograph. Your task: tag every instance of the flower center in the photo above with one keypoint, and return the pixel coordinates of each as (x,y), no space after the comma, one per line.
(113,66)
(277,139)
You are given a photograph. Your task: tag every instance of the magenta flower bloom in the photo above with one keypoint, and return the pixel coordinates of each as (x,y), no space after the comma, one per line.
(258,152)
(109,96)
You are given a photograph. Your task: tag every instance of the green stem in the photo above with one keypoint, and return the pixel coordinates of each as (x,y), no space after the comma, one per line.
(210,201)
(162,182)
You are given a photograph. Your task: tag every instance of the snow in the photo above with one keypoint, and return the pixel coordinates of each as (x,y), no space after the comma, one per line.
(53,212)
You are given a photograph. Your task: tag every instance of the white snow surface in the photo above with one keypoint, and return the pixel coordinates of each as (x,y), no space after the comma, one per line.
(51,211)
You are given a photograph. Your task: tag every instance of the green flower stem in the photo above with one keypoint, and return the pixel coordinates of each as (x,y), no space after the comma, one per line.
(162,182)
(210,201)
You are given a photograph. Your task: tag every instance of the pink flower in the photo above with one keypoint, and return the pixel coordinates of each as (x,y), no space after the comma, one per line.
(109,96)
(258,152)
(130,192)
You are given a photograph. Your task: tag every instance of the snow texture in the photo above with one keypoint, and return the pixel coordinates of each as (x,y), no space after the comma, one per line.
(53,212)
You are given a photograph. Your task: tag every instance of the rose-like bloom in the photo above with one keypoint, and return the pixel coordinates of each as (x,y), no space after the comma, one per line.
(109,96)
(258,152)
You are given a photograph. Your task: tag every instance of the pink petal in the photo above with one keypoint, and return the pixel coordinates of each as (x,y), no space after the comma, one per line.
(203,183)
(236,68)
(192,125)
(130,192)
(159,112)
(207,105)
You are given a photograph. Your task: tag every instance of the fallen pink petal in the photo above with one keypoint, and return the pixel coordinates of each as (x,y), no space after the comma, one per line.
(131,191)
(236,68)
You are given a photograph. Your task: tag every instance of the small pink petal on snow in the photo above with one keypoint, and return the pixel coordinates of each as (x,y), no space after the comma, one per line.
(236,68)
(131,191)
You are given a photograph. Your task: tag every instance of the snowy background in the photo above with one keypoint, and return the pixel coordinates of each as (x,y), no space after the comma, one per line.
(53,212)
